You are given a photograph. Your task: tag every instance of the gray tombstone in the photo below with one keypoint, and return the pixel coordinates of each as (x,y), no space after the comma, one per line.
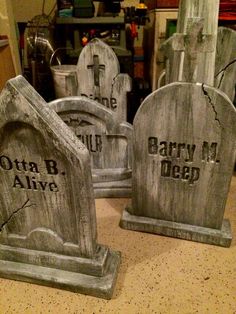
(184,153)
(47,214)
(190,52)
(99,78)
(225,69)
(108,142)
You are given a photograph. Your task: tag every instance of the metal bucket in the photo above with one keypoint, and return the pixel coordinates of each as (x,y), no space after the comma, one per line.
(65,80)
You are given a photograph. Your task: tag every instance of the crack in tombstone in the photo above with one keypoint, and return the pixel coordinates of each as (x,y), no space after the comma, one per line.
(112,84)
(224,70)
(211,103)
(221,79)
(14,213)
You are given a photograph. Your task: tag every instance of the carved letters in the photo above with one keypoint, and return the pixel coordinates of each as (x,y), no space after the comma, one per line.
(22,181)
(184,152)
(110,103)
(93,142)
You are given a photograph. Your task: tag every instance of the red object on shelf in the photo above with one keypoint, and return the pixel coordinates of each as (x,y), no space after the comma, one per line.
(229,5)
(138,62)
(227,16)
(133,30)
(227,10)
(155,4)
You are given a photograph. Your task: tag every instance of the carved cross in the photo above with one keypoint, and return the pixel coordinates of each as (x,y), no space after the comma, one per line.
(192,43)
(96,67)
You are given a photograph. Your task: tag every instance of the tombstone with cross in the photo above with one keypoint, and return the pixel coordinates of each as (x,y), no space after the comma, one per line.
(99,78)
(96,67)
(191,51)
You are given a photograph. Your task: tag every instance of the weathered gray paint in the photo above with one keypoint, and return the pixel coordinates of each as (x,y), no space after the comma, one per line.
(225,67)
(99,78)
(175,179)
(101,287)
(191,51)
(222,237)
(47,208)
(109,143)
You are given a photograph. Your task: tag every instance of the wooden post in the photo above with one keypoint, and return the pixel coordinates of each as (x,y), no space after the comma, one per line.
(7,27)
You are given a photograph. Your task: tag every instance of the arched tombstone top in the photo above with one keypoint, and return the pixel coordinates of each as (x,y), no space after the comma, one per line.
(92,108)
(99,78)
(184,154)
(100,63)
(214,96)
(82,105)
(95,55)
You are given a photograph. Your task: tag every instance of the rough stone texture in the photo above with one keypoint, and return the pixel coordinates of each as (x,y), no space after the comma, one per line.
(47,211)
(184,153)
(99,78)
(191,51)
(108,142)
(225,67)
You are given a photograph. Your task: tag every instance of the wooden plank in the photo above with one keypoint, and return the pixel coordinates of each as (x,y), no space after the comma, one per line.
(6,66)
(8,28)
(154,36)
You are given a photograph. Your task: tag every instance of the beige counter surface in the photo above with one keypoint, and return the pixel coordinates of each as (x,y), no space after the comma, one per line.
(157,274)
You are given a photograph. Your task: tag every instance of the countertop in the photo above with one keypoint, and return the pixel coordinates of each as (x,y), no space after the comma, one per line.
(157,274)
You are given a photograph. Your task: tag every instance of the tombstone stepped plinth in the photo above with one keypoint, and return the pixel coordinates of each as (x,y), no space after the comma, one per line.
(184,154)
(47,210)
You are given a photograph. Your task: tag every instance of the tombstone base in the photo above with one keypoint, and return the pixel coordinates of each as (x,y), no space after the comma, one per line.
(116,189)
(97,286)
(221,237)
